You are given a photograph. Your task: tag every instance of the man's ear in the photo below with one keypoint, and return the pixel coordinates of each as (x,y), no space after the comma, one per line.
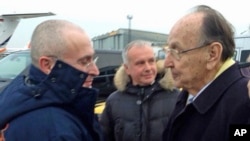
(214,54)
(126,68)
(46,64)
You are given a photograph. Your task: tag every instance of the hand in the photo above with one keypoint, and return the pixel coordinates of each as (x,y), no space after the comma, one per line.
(2,134)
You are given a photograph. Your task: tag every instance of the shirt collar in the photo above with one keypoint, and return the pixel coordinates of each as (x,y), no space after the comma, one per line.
(229,62)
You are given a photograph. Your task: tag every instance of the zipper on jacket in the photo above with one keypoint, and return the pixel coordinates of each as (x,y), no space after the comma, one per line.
(142,92)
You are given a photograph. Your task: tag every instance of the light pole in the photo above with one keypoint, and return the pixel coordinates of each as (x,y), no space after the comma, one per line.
(129,17)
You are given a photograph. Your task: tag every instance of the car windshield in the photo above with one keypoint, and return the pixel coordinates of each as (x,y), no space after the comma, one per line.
(14,64)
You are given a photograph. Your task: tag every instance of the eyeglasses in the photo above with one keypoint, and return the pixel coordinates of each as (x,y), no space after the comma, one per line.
(92,62)
(84,63)
(177,54)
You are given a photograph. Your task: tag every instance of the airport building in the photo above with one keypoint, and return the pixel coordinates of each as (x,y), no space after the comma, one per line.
(117,40)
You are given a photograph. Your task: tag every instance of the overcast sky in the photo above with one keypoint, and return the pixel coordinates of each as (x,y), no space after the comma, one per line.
(101,16)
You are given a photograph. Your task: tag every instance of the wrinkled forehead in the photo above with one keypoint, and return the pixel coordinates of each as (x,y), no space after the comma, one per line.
(187,29)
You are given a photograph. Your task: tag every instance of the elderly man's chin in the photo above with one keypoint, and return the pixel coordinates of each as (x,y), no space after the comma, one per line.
(177,84)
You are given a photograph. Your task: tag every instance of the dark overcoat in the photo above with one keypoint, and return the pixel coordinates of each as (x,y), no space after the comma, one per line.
(225,102)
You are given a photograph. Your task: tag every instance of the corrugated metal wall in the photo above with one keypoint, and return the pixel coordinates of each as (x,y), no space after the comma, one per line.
(117,40)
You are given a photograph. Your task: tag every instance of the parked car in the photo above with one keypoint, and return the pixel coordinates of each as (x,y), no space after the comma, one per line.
(12,65)
(18,63)
(104,82)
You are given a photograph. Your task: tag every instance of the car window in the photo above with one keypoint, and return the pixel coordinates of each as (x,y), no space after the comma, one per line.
(13,64)
(104,82)
(245,56)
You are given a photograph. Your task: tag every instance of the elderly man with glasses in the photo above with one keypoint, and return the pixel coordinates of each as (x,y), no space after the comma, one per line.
(199,54)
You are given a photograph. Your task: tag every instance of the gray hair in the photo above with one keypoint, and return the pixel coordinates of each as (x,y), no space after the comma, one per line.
(135,43)
(216,28)
(49,39)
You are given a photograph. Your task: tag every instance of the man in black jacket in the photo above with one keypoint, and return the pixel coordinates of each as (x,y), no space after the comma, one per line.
(145,97)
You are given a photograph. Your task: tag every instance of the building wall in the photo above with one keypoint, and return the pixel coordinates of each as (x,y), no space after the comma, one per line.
(117,40)
(108,58)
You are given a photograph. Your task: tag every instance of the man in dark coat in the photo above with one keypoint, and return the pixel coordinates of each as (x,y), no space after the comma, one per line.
(200,52)
(55,102)
(145,97)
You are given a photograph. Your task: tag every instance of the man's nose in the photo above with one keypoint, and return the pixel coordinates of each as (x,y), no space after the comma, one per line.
(93,70)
